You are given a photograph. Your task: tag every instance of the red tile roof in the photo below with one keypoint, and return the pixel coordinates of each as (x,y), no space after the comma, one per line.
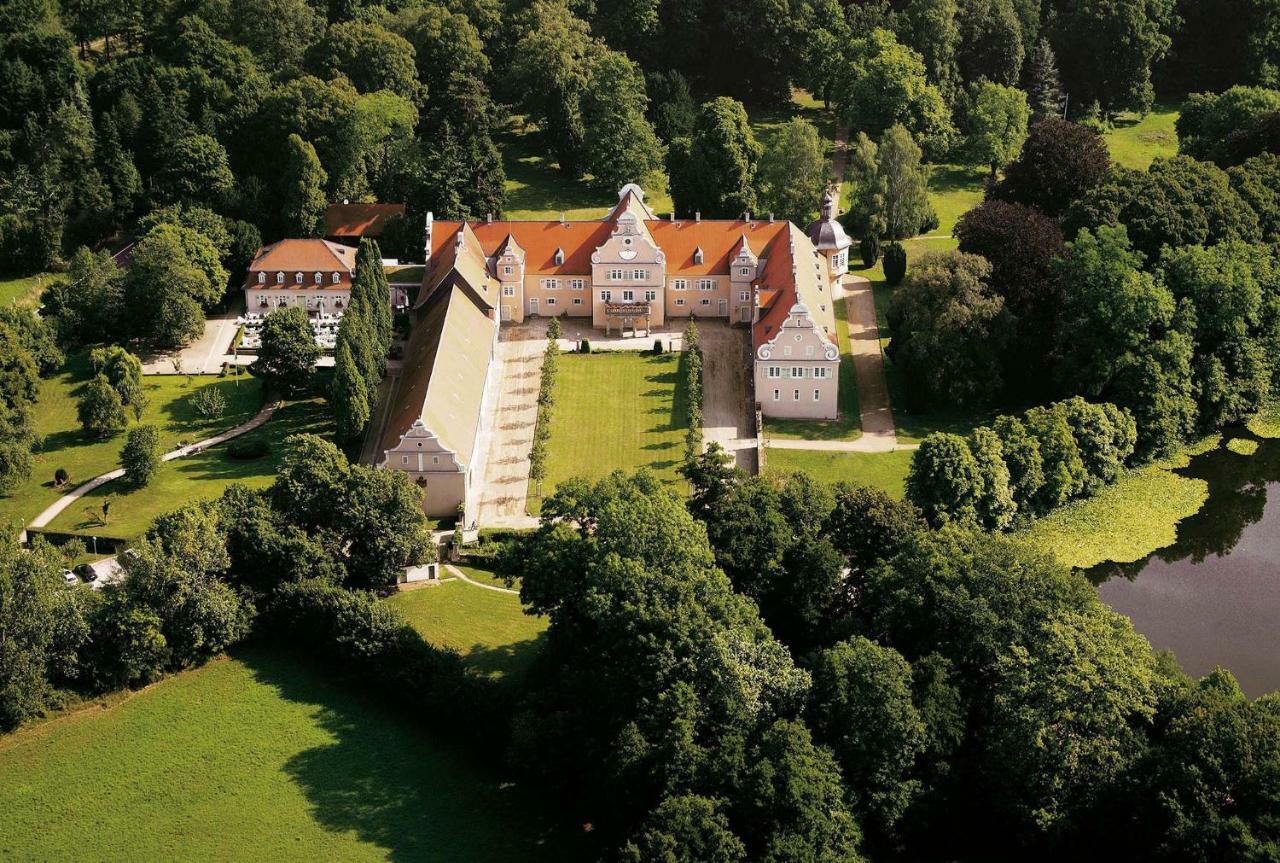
(304,256)
(359,220)
(719,241)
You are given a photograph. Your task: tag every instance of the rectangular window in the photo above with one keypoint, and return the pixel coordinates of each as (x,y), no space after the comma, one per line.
(650,295)
(808,351)
(435,459)
(777,395)
(679,301)
(820,372)
(796,397)
(817,395)
(297,278)
(774,372)
(744,271)
(628,296)
(404,459)
(551,284)
(786,350)
(617,275)
(279,278)
(506,271)
(640,275)
(679,284)
(705,301)
(336,278)
(706,284)
(508,290)
(797,372)
(577,284)
(606,296)
(742,296)
(577,301)
(551,301)
(319,278)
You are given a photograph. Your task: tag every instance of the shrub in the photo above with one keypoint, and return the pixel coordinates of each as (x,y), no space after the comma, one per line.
(209,403)
(61,477)
(15,465)
(100,410)
(248,447)
(586,346)
(141,454)
(869,248)
(553,329)
(657,346)
(895,264)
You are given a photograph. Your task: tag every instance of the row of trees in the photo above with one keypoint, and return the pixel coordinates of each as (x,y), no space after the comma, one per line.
(546,400)
(692,385)
(195,583)
(28,351)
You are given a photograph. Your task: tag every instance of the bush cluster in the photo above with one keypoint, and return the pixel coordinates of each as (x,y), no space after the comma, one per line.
(693,391)
(546,398)
(1022,467)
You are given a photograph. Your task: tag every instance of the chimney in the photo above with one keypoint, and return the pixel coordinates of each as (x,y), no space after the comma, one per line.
(426,239)
(488,218)
(563,220)
(697,216)
(771,218)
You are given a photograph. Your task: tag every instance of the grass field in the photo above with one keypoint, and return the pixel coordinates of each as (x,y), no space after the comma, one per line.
(849,425)
(66,445)
(616,411)
(24,291)
(255,758)
(198,477)
(490,629)
(1136,141)
(953,191)
(886,471)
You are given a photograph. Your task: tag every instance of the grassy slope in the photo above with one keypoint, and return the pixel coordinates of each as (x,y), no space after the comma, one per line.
(66,446)
(1135,141)
(489,628)
(24,291)
(849,425)
(885,471)
(198,477)
(253,758)
(621,410)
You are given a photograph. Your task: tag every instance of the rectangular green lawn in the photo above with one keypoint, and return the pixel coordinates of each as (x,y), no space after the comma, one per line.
(886,471)
(1135,142)
(258,757)
(619,410)
(202,476)
(489,629)
(25,290)
(67,446)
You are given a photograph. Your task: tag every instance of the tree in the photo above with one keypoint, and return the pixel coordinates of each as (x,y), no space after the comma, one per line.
(621,147)
(944,482)
(932,31)
(671,107)
(88,300)
(794,173)
(27,594)
(100,410)
(1257,182)
(15,465)
(446,46)
(949,330)
(861,706)
(867,526)
(19,376)
(1024,462)
(372,57)
(905,184)
(371,287)
(991,42)
(382,527)
(1044,86)
(685,829)
(995,124)
(1064,473)
(349,397)
(995,504)
(140,456)
(714,171)
(287,358)
(196,171)
(124,371)
(165,289)
(277,31)
(1132,38)
(884,84)
(1059,162)
(303,182)
(865,216)
(1105,436)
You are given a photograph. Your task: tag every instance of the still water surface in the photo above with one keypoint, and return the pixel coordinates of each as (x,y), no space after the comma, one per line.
(1213,597)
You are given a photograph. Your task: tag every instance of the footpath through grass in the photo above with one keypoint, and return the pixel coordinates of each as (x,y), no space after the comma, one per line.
(67,446)
(258,757)
(618,410)
(202,476)
(489,629)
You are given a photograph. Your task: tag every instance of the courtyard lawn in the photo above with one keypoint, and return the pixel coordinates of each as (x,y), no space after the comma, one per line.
(1136,141)
(953,190)
(849,424)
(886,471)
(202,476)
(490,629)
(536,189)
(618,410)
(66,445)
(258,757)
(24,291)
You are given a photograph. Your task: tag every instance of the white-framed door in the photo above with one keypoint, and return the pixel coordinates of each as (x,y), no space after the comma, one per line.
(724,308)
(506,312)
(745,314)
(533,305)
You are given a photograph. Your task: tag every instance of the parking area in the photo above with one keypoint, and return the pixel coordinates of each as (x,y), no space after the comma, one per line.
(726,381)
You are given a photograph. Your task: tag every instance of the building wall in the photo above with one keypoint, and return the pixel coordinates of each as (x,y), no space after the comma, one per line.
(795,396)
(717,298)
(554,302)
(422,457)
(295,296)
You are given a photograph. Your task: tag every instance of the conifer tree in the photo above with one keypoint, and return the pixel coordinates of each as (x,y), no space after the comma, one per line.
(1044,87)
(354,333)
(376,288)
(349,395)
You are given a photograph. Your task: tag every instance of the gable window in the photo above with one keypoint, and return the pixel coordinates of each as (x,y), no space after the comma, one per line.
(774,371)
(506,271)
(337,278)
(435,459)
(319,277)
(679,284)
(262,278)
(559,259)
(639,274)
(279,278)
(508,290)
(744,272)
(808,351)
(617,275)
(297,278)
(577,284)
(404,459)
(786,350)
(697,255)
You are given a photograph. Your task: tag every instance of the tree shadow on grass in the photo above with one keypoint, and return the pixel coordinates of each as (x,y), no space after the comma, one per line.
(394,785)
(509,662)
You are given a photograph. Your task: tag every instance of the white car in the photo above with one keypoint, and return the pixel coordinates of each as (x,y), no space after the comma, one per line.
(69,577)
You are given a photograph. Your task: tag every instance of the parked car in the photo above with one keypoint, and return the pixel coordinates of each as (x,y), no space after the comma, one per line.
(87,572)
(69,577)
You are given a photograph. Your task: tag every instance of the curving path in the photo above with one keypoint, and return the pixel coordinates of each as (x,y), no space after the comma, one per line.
(457,573)
(51,512)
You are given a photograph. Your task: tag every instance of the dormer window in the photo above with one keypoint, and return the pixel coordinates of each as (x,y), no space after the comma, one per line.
(319,278)
(337,277)
(297,278)
(262,278)
(697,255)
(559,256)
(279,278)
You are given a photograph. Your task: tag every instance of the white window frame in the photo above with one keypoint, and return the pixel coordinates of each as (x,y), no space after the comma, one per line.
(319,278)
(650,296)
(773,372)
(577,301)
(796,396)
(706,301)
(639,275)
(297,278)
(262,278)
(577,284)
(617,275)
(821,372)
(679,284)
(606,296)
(337,278)
(743,271)
(797,372)
(786,350)
(817,395)
(777,395)
(679,301)
(628,296)
(808,351)
(551,301)
(508,290)
(743,296)
(706,284)
(550,284)
(507,271)
(279,278)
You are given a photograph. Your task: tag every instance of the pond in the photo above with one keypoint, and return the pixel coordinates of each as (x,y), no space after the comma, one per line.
(1213,597)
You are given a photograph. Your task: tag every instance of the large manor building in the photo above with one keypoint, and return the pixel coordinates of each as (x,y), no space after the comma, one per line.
(627,271)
